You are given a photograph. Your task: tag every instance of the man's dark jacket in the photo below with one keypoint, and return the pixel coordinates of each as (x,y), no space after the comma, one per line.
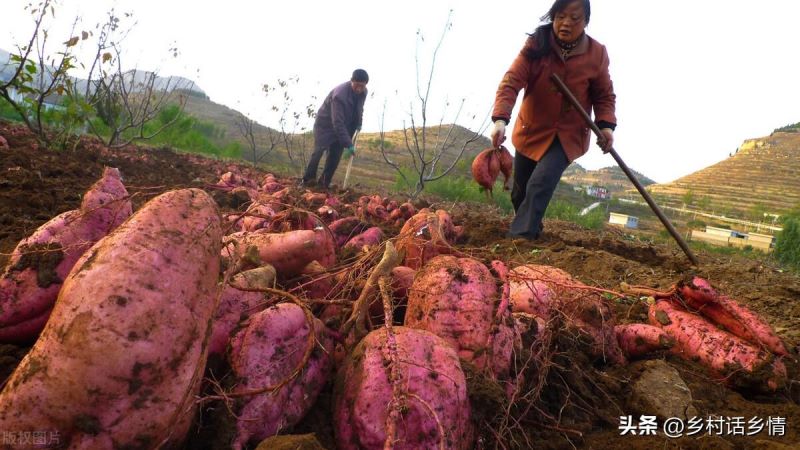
(339,116)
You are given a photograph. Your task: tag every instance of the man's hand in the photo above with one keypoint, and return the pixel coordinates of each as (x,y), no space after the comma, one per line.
(349,151)
(606,142)
(498,133)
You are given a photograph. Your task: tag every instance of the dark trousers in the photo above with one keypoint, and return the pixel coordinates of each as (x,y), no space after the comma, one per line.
(331,163)
(534,184)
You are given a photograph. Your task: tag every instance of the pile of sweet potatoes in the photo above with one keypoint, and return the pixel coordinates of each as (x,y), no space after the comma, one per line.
(731,341)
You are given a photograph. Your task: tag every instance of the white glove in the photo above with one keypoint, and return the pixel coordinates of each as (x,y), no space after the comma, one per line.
(498,133)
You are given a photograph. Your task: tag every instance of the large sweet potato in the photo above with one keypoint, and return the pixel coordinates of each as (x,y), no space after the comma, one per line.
(728,314)
(38,265)
(369,238)
(119,363)
(458,300)
(265,354)
(548,292)
(429,372)
(727,356)
(287,252)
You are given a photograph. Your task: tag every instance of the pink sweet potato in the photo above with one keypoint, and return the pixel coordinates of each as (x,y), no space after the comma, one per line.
(258,216)
(31,281)
(369,238)
(345,228)
(729,357)
(729,315)
(120,361)
(506,166)
(485,168)
(424,236)
(287,252)
(639,339)
(327,214)
(548,292)
(315,282)
(458,300)
(267,352)
(234,305)
(429,371)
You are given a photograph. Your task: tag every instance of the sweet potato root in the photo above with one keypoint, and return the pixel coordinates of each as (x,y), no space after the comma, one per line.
(38,265)
(120,360)
(729,315)
(424,236)
(431,380)
(266,353)
(729,357)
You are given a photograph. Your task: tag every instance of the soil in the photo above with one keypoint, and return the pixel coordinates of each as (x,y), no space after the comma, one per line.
(37,184)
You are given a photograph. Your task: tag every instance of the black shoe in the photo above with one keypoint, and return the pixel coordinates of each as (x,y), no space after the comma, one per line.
(525,236)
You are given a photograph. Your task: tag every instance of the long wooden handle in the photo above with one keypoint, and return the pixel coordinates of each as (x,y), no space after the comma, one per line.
(646,195)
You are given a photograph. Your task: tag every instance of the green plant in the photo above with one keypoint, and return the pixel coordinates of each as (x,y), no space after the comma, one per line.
(787,242)
(594,220)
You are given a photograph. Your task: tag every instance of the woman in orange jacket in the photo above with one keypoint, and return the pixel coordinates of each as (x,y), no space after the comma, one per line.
(549,133)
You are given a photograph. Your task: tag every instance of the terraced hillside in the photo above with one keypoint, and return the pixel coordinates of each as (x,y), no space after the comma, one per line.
(611,178)
(762,177)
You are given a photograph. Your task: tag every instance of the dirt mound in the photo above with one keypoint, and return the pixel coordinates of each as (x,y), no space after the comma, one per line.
(37,184)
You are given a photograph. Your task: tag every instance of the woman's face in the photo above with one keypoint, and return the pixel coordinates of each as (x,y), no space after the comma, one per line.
(568,24)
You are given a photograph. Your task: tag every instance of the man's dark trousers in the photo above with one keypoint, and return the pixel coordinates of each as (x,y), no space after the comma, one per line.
(331,163)
(534,185)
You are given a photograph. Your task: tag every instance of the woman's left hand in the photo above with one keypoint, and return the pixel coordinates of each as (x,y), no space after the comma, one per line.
(607,142)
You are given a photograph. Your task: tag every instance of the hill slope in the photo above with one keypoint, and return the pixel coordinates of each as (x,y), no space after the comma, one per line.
(611,178)
(762,177)
(369,168)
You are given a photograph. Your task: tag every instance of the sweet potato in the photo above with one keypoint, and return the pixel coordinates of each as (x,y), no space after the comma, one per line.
(506,166)
(234,305)
(458,300)
(31,281)
(258,216)
(371,237)
(266,353)
(287,252)
(119,363)
(729,357)
(548,292)
(485,168)
(639,339)
(429,372)
(293,219)
(731,316)
(315,282)
(424,236)
(345,228)
(327,214)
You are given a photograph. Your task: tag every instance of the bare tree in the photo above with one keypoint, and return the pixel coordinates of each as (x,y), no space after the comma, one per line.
(127,101)
(425,151)
(292,130)
(247,129)
(39,80)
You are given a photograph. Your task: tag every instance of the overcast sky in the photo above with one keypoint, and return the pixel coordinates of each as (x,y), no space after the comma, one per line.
(693,78)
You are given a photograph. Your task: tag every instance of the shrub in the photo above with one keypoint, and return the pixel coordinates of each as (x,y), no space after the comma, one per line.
(787,242)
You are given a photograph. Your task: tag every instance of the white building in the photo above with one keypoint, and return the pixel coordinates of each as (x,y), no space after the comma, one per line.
(624,220)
